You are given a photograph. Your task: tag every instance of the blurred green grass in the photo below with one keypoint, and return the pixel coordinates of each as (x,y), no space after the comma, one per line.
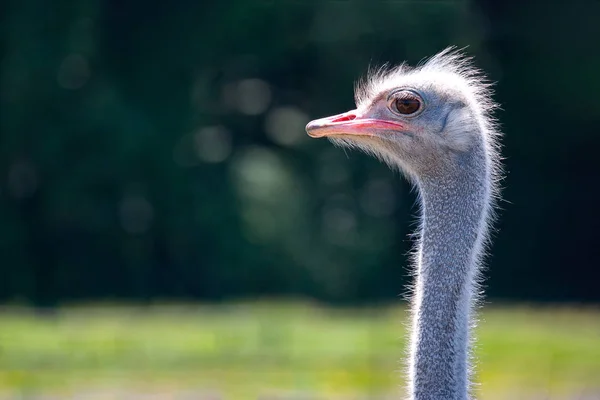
(246,350)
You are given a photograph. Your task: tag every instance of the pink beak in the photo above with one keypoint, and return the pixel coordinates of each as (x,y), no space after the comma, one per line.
(349,123)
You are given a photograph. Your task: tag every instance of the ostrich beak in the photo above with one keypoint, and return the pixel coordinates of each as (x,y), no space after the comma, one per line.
(350,123)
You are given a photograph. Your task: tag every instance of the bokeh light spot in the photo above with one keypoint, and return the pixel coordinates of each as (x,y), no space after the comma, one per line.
(286,125)
(249,96)
(212,144)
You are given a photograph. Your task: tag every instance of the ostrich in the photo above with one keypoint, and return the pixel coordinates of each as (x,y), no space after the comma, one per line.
(434,123)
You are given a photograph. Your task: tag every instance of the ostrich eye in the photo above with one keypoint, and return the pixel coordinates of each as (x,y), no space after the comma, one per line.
(407,103)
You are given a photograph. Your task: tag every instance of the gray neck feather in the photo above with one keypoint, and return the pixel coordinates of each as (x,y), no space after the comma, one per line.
(455,207)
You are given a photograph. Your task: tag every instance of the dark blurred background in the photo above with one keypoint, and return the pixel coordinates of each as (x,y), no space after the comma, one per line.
(156,150)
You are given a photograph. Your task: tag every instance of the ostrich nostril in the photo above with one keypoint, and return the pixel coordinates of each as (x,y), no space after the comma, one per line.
(345,117)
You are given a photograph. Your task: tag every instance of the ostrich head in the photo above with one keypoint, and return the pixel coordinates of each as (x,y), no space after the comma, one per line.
(418,119)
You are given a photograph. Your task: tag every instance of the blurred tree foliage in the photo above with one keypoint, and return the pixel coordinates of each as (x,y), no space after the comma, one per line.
(157,149)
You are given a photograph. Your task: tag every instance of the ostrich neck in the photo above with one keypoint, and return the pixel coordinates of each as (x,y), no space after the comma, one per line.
(453,227)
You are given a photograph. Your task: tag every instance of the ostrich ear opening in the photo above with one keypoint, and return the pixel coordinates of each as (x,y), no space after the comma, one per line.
(459,129)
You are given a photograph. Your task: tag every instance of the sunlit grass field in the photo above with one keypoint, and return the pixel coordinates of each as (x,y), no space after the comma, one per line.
(274,350)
